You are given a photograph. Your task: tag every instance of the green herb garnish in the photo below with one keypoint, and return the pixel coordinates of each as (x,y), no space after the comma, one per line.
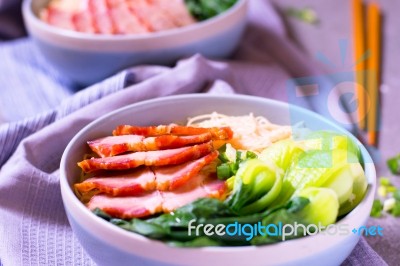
(229,167)
(396,194)
(384,181)
(396,209)
(205,9)
(394,165)
(306,14)
(377,208)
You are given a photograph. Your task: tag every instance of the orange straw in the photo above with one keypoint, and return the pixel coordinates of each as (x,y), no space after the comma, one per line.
(373,43)
(359,50)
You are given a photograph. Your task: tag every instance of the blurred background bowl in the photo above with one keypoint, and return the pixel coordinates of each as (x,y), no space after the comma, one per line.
(108,244)
(87,58)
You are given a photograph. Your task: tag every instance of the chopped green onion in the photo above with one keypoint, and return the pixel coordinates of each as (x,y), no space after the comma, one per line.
(234,168)
(306,14)
(230,162)
(394,165)
(396,209)
(223,157)
(250,155)
(224,171)
(377,208)
(396,194)
(391,189)
(385,181)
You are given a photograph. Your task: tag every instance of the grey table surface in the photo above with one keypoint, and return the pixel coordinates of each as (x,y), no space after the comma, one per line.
(324,38)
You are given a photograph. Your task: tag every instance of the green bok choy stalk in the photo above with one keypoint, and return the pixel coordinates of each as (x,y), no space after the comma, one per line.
(329,140)
(256,185)
(331,160)
(282,153)
(316,206)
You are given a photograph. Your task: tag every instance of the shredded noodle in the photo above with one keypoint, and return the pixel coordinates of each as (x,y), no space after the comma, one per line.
(253,133)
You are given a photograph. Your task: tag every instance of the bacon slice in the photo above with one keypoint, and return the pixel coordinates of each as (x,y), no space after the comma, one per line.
(173,141)
(155,202)
(210,189)
(150,15)
(173,177)
(113,145)
(123,19)
(130,183)
(110,146)
(58,18)
(217,133)
(83,21)
(149,158)
(215,188)
(143,179)
(176,11)
(117,16)
(128,207)
(101,17)
(176,199)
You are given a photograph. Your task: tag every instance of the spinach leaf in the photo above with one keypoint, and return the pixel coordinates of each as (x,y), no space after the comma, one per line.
(288,214)
(205,9)
(172,228)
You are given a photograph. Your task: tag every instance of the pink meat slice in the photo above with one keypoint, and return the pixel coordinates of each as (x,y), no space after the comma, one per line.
(114,145)
(217,133)
(129,183)
(143,179)
(125,22)
(173,177)
(128,207)
(173,200)
(58,18)
(148,158)
(156,201)
(176,10)
(83,21)
(215,188)
(101,17)
(150,15)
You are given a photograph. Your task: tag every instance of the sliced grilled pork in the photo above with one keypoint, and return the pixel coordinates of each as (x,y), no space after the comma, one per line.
(114,145)
(148,158)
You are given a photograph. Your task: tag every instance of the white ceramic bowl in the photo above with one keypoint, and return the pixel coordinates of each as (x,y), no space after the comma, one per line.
(110,245)
(87,58)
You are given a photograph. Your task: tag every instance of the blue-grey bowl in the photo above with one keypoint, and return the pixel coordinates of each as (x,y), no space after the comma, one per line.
(108,244)
(87,58)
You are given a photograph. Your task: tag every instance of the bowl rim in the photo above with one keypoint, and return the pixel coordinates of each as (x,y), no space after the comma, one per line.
(75,207)
(29,14)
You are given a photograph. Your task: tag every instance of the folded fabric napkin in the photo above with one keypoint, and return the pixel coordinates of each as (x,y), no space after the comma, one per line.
(33,226)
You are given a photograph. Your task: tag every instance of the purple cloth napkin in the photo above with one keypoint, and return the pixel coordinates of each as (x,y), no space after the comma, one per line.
(33,226)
